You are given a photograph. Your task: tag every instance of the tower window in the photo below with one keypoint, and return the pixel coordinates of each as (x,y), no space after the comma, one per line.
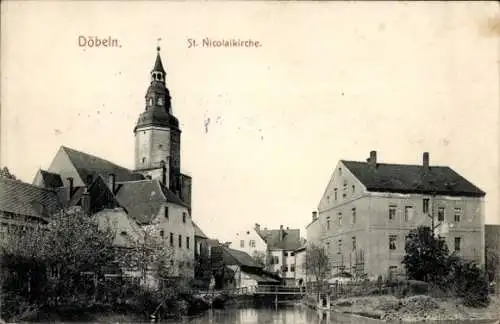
(160,101)
(183,217)
(143,160)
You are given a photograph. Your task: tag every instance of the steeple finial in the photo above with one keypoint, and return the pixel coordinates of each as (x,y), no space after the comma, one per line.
(158,44)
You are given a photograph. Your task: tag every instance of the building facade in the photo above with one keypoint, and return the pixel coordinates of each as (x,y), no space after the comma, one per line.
(250,242)
(368,208)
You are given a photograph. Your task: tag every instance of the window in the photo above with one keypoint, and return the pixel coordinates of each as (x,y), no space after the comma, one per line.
(408,213)
(160,101)
(166,211)
(143,160)
(457,243)
(327,247)
(187,242)
(344,194)
(354,243)
(276,260)
(292,268)
(335,193)
(285,268)
(392,242)
(458,214)
(242,243)
(340,247)
(353,188)
(340,171)
(124,233)
(425,206)
(392,212)
(171,239)
(340,218)
(328,223)
(292,253)
(441,214)
(184,217)
(354,215)
(162,234)
(252,243)
(285,253)
(180,240)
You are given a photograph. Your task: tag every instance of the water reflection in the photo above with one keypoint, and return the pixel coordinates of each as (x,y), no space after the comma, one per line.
(284,314)
(297,314)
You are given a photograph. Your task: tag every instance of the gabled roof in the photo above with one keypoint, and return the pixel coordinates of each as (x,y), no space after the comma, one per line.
(25,199)
(289,241)
(143,199)
(198,232)
(89,165)
(239,258)
(401,178)
(110,219)
(50,179)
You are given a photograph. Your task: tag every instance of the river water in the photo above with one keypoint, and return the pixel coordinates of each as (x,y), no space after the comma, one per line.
(297,314)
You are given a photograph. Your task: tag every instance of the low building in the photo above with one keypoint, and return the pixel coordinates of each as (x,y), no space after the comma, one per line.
(240,270)
(281,246)
(300,266)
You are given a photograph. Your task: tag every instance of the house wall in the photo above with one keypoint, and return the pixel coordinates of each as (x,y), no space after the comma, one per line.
(62,165)
(184,255)
(241,279)
(300,262)
(242,242)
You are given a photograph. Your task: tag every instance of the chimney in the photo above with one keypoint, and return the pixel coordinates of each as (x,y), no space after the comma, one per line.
(372,161)
(85,202)
(425,160)
(281,233)
(112,182)
(71,186)
(315,215)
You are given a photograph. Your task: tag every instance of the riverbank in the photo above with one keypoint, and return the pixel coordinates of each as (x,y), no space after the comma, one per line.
(412,309)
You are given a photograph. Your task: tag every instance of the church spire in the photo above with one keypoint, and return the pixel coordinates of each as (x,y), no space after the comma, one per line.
(158,72)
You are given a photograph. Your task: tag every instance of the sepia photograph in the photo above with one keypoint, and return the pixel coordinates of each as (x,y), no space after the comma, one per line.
(249,162)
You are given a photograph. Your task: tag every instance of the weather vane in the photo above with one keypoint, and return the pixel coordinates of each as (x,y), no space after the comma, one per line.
(158,44)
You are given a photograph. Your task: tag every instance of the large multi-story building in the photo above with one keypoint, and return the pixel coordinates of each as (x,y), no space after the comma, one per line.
(368,208)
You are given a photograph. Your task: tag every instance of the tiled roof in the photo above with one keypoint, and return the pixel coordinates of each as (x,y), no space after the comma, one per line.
(143,199)
(25,199)
(51,180)
(240,258)
(198,232)
(290,240)
(400,178)
(90,165)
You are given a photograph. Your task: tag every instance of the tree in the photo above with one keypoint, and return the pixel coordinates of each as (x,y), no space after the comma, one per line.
(152,257)
(492,263)
(426,256)
(317,262)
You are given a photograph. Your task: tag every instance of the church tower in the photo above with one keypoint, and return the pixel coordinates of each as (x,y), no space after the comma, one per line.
(157,134)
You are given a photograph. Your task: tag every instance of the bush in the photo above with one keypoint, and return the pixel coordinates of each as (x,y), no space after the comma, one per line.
(470,283)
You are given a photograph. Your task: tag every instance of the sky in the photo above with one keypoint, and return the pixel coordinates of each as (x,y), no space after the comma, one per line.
(331,81)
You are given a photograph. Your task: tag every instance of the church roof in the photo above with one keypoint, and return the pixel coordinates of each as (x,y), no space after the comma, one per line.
(50,179)
(143,199)
(89,165)
(401,178)
(22,198)
(158,64)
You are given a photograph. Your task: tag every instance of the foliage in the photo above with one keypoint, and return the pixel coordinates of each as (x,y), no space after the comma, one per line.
(427,259)
(317,262)
(202,269)
(426,256)
(492,263)
(469,282)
